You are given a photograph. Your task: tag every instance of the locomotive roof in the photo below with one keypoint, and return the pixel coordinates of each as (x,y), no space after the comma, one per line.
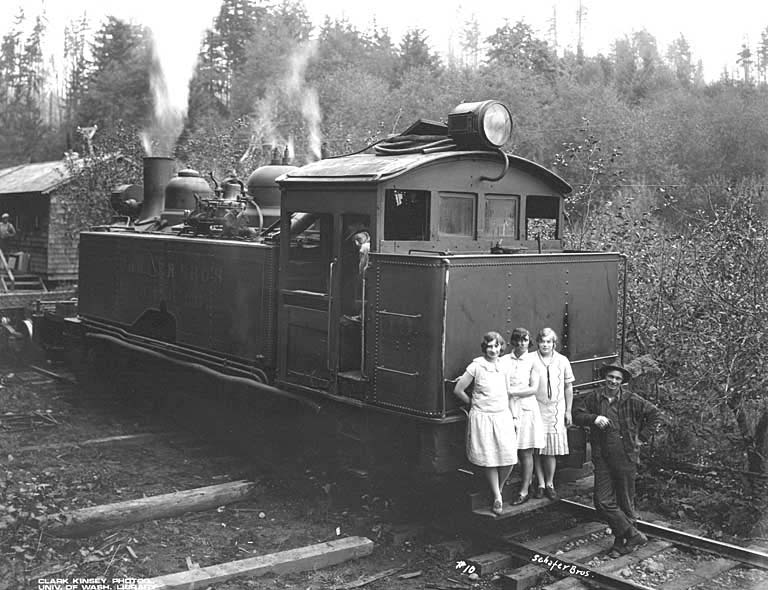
(370,168)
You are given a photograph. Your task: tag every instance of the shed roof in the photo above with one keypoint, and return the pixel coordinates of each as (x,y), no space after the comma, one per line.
(41,177)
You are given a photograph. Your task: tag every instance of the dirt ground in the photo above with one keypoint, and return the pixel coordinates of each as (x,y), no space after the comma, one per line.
(298,501)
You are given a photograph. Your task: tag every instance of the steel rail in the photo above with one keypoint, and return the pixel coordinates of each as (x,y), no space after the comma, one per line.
(736,553)
(573,569)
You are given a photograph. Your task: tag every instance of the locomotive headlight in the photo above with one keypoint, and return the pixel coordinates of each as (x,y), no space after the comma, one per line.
(486,124)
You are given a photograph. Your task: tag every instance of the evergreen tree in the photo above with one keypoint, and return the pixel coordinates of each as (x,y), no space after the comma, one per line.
(415,52)
(762,56)
(25,135)
(679,57)
(75,71)
(117,83)
(745,62)
(470,41)
(518,46)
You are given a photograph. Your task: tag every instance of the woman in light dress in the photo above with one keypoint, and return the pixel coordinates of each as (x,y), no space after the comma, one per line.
(555,397)
(491,441)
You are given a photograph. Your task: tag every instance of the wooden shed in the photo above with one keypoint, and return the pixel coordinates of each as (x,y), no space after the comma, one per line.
(29,193)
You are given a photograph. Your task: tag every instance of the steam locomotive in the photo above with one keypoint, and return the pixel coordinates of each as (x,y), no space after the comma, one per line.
(358,286)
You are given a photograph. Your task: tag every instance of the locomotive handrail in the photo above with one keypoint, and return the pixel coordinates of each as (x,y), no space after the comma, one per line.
(588,384)
(329,351)
(435,252)
(362,331)
(596,358)
(400,315)
(302,292)
(406,373)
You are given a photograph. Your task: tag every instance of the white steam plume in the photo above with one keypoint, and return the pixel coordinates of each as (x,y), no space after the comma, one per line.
(310,105)
(176,31)
(291,89)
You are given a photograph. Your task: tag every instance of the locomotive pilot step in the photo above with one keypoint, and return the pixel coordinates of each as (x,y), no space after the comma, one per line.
(481,504)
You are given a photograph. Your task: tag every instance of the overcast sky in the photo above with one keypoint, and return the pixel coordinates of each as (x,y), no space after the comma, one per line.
(715,30)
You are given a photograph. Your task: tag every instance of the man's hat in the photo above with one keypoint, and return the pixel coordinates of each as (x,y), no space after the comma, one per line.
(5,216)
(355,229)
(617,367)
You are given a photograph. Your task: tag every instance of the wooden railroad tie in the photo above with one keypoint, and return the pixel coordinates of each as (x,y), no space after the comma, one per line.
(284,562)
(87,521)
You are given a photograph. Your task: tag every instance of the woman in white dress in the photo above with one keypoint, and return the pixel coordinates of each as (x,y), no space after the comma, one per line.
(555,397)
(491,442)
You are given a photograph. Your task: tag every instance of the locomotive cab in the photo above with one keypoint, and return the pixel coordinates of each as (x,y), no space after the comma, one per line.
(418,208)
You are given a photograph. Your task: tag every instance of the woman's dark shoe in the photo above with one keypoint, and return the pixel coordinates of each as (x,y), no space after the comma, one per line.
(538,492)
(550,492)
(520,499)
(498,507)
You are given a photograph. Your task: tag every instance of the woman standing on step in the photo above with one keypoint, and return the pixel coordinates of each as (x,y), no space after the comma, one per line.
(555,397)
(491,441)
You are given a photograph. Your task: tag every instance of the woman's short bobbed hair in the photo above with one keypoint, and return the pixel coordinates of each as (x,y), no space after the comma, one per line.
(547,333)
(491,337)
(519,334)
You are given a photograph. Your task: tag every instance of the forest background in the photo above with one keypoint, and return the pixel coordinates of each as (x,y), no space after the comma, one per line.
(668,169)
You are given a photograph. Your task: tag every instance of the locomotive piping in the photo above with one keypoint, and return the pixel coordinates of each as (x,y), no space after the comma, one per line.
(624,310)
(261,387)
(503,172)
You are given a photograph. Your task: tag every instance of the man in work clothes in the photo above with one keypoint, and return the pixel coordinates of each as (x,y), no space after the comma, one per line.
(619,420)
(7,231)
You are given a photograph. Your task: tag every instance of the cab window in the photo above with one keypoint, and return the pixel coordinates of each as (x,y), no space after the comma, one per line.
(457,214)
(542,215)
(501,216)
(406,215)
(309,253)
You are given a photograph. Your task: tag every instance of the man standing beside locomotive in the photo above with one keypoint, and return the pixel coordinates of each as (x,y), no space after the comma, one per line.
(618,421)
(523,382)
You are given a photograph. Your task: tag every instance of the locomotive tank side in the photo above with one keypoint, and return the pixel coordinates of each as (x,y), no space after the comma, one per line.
(211,295)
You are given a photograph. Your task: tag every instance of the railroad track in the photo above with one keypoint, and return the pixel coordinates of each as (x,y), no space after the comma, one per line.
(576,554)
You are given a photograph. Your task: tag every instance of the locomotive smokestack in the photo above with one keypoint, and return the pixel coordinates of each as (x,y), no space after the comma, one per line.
(275,157)
(266,150)
(158,171)
(286,157)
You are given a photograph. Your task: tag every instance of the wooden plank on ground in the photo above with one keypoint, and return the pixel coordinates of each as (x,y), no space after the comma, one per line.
(124,438)
(284,562)
(87,521)
(555,541)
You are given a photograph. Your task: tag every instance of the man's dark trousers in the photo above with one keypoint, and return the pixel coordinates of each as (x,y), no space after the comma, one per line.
(614,492)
